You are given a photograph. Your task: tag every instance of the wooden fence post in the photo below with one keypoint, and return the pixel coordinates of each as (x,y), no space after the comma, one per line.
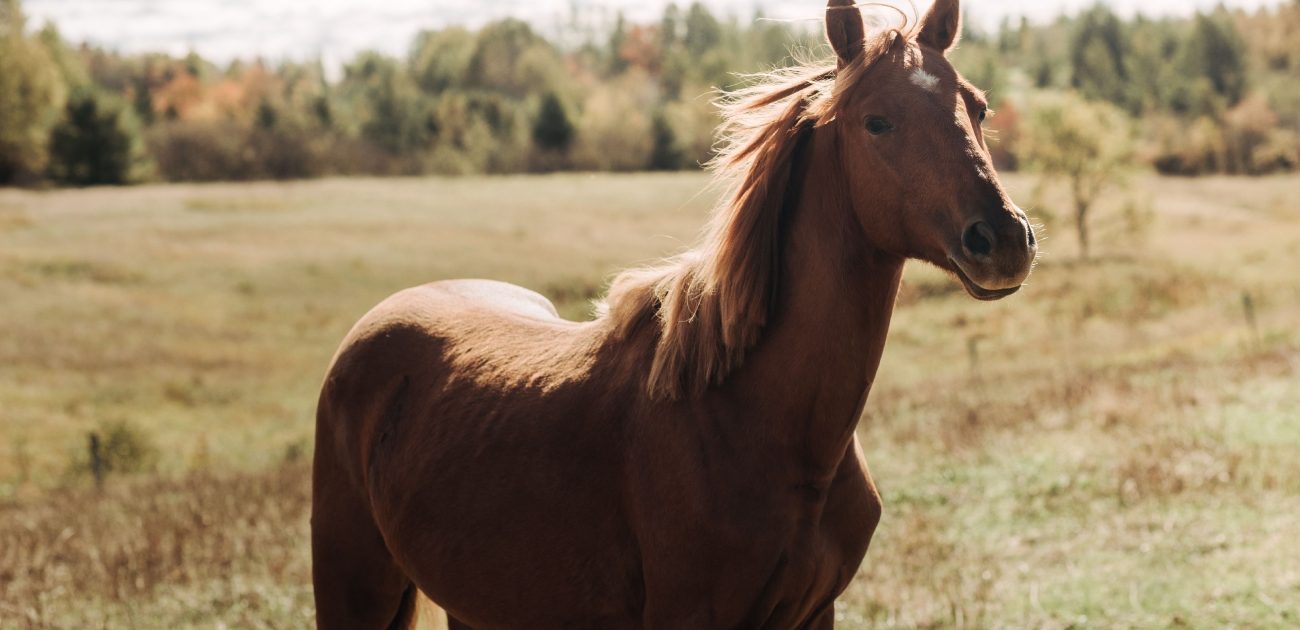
(96,461)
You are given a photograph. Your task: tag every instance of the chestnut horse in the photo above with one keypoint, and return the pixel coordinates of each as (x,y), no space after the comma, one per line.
(688,458)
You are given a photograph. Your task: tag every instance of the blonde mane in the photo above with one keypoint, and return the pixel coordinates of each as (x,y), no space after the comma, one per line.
(712,302)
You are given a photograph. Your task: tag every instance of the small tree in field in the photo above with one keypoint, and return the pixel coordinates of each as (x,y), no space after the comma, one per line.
(1087,144)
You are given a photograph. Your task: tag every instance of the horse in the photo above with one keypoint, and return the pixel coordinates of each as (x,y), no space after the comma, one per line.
(687,458)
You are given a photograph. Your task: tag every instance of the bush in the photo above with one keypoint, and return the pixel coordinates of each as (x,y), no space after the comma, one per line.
(200,151)
(204,151)
(285,152)
(128,448)
(1193,148)
(693,122)
(1255,143)
(122,447)
(614,133)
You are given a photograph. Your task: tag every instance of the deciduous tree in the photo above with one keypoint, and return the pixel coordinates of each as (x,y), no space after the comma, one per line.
(1088,144)
(31,94)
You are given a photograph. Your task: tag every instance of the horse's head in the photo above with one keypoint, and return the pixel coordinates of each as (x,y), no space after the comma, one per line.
(910,133)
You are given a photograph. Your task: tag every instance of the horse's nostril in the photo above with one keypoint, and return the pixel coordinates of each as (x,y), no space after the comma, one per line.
(979,239)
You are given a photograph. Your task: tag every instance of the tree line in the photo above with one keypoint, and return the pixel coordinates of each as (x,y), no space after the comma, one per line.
(1214,93)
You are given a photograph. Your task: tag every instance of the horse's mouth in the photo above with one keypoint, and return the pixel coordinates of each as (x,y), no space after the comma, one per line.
(976,291)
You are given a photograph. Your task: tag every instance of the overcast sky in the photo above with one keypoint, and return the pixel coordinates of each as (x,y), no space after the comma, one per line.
(336,29)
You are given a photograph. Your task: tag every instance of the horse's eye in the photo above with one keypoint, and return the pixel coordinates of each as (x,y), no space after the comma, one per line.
(984,113)
(877,125)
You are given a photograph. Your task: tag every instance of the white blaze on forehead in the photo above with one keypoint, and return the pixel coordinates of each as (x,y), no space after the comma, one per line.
(925,80)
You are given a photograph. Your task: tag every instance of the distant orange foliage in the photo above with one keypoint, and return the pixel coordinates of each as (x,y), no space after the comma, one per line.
(640,48)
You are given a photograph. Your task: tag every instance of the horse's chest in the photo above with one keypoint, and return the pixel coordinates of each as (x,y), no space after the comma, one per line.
(771,559)
(819,564)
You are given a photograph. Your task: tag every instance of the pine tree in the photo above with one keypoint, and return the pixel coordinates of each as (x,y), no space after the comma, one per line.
(616,64)
(1097,57)
(1216,52)
(553,131)
(665,155)
(95,143)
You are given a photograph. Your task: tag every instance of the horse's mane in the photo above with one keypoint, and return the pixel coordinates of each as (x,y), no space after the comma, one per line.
(712,302)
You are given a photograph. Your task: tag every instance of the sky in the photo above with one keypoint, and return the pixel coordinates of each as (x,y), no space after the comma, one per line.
(335,30)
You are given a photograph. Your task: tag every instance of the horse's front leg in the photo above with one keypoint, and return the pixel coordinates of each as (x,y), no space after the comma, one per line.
(825,620)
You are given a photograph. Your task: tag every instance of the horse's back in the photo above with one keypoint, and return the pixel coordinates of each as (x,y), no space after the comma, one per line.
(417,329)
(442,309)
(500,296)
(449,336)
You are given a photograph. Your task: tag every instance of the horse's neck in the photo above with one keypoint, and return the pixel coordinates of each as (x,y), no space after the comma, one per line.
(808,378)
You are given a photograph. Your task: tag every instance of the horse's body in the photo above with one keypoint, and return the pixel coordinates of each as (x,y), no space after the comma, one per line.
(686,460)
(579,500)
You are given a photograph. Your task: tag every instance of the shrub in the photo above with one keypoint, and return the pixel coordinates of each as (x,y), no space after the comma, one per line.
(1189,148)
(1255,145)
(614,133)
(693,122)
(128,448)
(200,151)
(284,152)
(121,447)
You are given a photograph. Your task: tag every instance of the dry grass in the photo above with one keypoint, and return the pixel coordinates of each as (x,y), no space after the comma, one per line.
(161,553)
(1114,446)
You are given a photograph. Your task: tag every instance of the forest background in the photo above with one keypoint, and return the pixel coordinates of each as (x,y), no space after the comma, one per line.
(1212,93)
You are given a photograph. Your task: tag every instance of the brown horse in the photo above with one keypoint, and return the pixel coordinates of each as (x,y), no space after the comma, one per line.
(688,458)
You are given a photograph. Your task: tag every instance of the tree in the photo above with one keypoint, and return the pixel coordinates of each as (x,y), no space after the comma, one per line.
(1088,144)
(614,131)
(440,60)
(72,71)
(669,27)
(30,91)
(1216,52)
(95,143)
(392,112)
(1153,75)
(703,32)
(266,115)
(1098,51)
(981,65)
(617,38)
(512,59)
(552,131)
(665,154)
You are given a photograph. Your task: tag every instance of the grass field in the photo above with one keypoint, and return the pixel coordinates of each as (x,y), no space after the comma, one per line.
(1115,446)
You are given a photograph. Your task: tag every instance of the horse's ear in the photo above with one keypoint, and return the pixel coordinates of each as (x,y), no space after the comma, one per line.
(844,30)
(942,25)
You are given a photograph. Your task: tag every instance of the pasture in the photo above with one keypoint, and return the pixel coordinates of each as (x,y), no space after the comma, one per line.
(1113,446)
